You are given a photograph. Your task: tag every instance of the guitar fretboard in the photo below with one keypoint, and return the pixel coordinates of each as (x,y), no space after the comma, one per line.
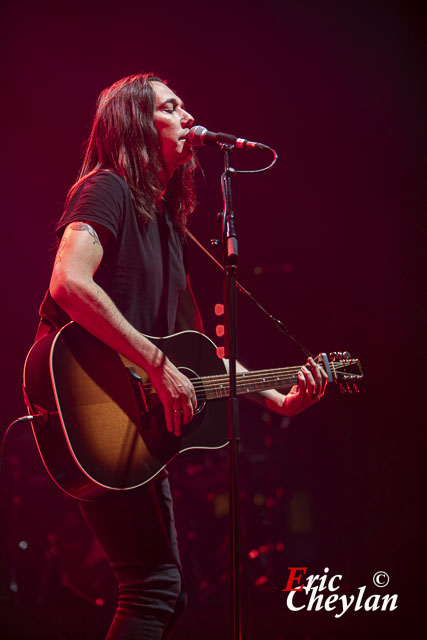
(218,386)
(247,382)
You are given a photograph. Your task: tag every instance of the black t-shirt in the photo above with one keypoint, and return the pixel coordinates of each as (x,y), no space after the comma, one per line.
(142,269)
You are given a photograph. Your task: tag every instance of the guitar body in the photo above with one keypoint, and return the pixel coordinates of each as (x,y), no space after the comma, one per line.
(103,431)
(100,424)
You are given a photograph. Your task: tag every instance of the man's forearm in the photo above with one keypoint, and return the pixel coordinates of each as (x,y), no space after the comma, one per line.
(269,398)
(87,304)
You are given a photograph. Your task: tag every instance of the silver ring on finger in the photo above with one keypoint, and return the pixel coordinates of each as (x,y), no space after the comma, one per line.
(178,411)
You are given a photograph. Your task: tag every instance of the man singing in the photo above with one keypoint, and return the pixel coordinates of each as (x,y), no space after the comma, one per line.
(119,273)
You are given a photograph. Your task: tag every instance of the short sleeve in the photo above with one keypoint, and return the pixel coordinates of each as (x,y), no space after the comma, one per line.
(101,199)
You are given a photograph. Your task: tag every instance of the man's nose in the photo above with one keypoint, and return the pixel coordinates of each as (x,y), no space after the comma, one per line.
(187,118)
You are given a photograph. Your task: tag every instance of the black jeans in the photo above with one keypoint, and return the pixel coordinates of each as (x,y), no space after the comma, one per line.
(137,531)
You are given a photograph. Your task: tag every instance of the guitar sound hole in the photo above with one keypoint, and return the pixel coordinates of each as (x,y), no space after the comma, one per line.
(201,402)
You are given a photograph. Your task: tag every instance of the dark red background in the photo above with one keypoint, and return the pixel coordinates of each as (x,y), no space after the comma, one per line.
(338,89)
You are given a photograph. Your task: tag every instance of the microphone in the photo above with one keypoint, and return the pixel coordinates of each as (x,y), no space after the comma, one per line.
(200,136)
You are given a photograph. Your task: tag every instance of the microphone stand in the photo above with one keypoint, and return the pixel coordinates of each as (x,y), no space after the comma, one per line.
(230,249)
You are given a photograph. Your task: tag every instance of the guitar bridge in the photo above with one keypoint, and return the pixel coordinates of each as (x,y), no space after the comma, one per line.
(141,400)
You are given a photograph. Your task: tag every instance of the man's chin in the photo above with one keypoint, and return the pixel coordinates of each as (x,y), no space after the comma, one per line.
(186,156)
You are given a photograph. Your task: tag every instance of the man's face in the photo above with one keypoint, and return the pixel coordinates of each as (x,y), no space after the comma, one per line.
(173,123)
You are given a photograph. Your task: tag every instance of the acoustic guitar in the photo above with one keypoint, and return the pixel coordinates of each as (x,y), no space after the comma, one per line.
(101,425)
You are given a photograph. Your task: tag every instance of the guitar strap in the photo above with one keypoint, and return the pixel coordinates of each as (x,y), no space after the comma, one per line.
(277,323)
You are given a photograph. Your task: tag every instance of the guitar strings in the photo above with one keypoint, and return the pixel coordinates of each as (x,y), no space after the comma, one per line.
(220,383)
(242,379)
(267,375)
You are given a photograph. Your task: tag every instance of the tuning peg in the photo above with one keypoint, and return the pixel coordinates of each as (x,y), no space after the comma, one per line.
(339,355)
(348,387)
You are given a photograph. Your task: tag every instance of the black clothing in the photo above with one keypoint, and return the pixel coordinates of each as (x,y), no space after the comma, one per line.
(142,270)
(143,267)
(137,531)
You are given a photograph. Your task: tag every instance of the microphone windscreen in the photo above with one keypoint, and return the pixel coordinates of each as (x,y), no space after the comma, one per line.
(195,135)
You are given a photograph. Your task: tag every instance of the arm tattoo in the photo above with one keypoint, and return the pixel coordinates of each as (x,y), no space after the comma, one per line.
(60,250)
(83,226)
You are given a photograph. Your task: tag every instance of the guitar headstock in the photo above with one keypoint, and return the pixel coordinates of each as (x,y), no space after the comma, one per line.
(342,369)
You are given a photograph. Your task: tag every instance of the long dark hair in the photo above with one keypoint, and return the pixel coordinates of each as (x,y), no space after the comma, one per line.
(124,139)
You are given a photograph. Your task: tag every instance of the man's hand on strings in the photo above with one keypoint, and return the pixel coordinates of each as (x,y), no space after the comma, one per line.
(177,395)
(312,381)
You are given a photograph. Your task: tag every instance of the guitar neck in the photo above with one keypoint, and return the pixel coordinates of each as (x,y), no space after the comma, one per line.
(283,378)
(218,386)
(249,382)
